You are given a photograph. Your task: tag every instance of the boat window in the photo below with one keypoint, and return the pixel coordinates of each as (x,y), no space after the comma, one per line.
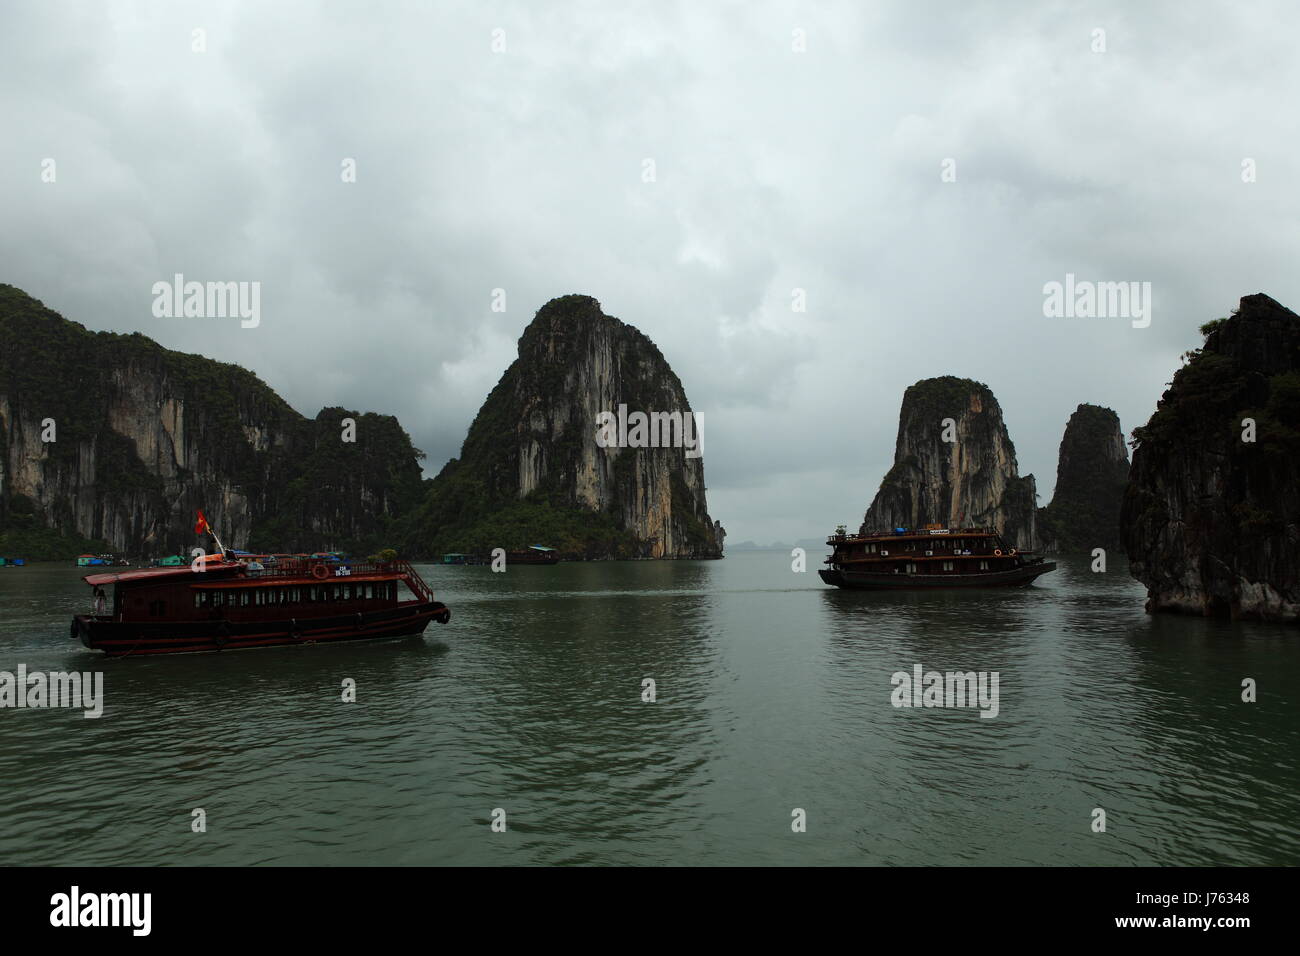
(947,565)
(198,598)
(157,608)
(984,565)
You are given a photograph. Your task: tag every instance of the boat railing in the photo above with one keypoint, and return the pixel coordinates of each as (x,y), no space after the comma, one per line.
(911,532)
(305,567)
(413,580)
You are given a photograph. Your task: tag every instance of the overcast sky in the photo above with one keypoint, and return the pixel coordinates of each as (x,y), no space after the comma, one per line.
(775,169)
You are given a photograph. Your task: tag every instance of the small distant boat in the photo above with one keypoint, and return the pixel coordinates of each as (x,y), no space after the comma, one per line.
(101,560)
(534,554)
(932,557)
(12,562)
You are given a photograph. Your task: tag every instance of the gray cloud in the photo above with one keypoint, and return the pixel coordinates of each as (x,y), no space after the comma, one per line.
(776,170)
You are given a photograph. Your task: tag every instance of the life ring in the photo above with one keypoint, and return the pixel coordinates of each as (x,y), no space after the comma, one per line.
(320,572)
(1012,551)
(998,552)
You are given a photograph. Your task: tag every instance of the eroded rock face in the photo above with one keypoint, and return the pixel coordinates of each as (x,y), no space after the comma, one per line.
(1091,475)
(971,481)
(144,436)
(1211,519)
(532,468)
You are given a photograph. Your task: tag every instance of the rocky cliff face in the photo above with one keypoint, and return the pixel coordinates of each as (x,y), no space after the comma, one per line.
(971,480)
(533,470)
(1091,475)
(142,437)
(1211,514)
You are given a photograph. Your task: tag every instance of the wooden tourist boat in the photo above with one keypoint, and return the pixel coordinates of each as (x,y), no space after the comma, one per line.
(229,605)
(934,557)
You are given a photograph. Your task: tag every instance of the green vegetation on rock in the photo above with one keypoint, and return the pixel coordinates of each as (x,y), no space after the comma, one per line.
(1211,518)
(302,487)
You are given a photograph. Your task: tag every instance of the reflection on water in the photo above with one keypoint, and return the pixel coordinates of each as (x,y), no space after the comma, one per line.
(772,693)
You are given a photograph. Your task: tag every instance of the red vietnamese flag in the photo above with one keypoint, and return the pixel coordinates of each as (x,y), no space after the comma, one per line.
(202,526)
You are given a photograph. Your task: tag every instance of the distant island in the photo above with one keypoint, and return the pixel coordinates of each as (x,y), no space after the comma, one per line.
(1091,475)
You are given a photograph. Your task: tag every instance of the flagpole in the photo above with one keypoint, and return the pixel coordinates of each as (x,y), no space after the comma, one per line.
(205,525)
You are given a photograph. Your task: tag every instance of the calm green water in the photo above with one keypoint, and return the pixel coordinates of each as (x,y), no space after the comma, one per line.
(773,694)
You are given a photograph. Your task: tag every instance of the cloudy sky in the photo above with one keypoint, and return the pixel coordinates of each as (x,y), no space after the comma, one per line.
(794,146)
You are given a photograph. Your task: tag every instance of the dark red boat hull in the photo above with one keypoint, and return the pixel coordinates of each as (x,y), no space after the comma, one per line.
(132,638)
(881,581)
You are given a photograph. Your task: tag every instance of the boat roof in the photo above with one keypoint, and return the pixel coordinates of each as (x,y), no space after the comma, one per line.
(262,581)
(154,574)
